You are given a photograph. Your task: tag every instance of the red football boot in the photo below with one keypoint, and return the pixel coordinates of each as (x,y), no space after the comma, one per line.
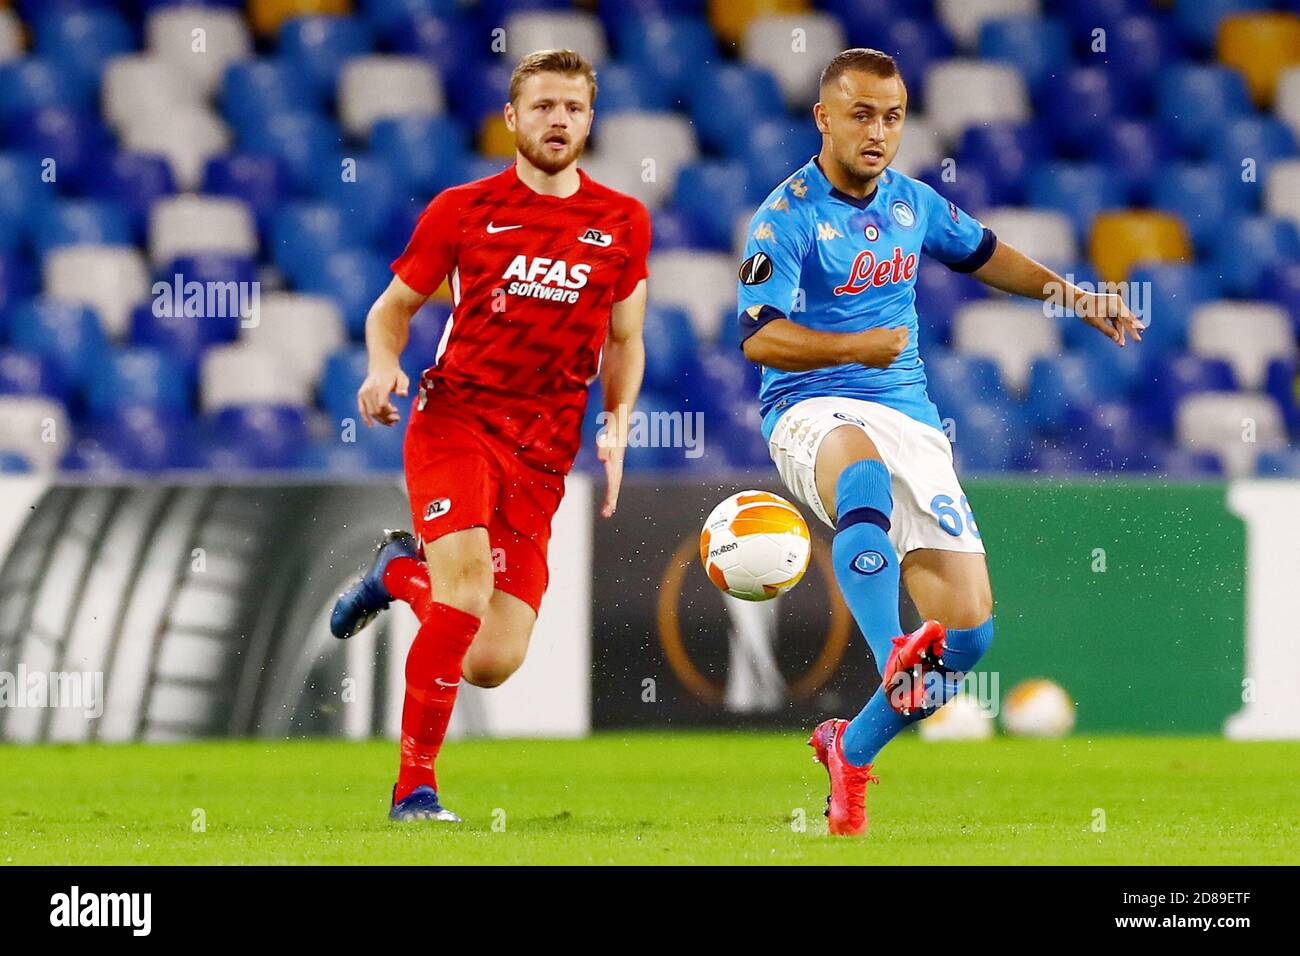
(846,807)
(914,655)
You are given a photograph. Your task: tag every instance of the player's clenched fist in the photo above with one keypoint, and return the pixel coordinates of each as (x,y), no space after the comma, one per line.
(881,347)
(374,397)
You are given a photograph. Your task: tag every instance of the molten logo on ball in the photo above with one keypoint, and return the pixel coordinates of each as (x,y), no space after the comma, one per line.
(755,545)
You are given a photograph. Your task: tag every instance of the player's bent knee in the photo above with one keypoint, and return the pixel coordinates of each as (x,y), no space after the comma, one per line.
(490,668)
(466,586)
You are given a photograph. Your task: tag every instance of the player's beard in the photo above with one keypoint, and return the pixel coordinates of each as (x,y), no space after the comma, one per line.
(536,152)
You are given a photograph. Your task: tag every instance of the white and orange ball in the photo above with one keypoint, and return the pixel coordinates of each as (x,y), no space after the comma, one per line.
(755,545)
(1037,708)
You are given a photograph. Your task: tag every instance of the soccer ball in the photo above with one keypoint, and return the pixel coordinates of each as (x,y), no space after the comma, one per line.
(1037,708)
(962,718)
(755,545)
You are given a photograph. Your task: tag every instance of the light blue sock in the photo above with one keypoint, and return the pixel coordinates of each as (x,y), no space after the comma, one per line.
(878,723)
(865,564)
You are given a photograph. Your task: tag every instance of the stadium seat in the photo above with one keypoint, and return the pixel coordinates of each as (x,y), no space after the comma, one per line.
(922,147)
(11,37)
(1269,241)
(1197,100)
(1248,149)
(268,436)
(79,40)
(1013,334)
(138,87)
(1136,153)
(1007,152)
(174,35)
(261,182)
(1261,46)
(255,90)
(365,190)
(35,427)
(303,141)
(1121,239)
(1279,463)
(1057,384)
(1040,233)
(916,43)
(1248,336)
(319,46)
(960,94)
(1080,106)
(1194,192)
(1174,377)
(138,376)
(375,87)
(1165,296)
(985,438)
(773,149)
(1039,47)
(342,374)
(730,18)
(970,190)
(1282,191)
(1110,437)
(268,16)
(134,181)
(299,331)
(1236,426)
(72,222)
(700,284)
(670,339)
(939,294)
(187,138)
(186,225)
(712,197)
(21,208)
(964,19)
(425,152)
(1287,101)
(1282,384)
(302,234)
(26,373)
(1077,190)
(1139,47)
(955,379)
(767,43)
(243,374)
(33,83)
(641,154)
(727,99)
(109,279)
(557,30)
(65,334)
(1198,20)
(1280,283)
(354,279)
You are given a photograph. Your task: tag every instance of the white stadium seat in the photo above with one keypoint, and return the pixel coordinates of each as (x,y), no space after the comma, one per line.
(243,374)
(963,93)
(640,153)
(1224,422)
(137,87)
(1282,191)
(921,147)
(1013,334)
(11,36)
(299,331)
(556,30)
(1041,234)
(1246,335)
(201,41)
(188,138)
(699,283)
(795,48)
(963,18)
(109,279)
(36,428)
(1286,102)
(376,87)
(183,225)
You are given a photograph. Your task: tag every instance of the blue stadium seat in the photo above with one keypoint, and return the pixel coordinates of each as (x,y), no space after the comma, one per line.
(19,279)
(1136,152)
(1174,377)
(671,348)
(1086,17)
(302,141)
(1039,47)
(669,49)
(939,294)
(773,149)
(1248,245)
(134,181)
(26,373)
(354,278)
(21,207)
(394,18)
(970,189)
(986,436)
(1278,463)
(333,457)
(623,88)
(727,99)
(67,336)
(366,200)
(1079,190)
(1186,464)
(673,229)
(1006,152)
(863,20)
(145,438)
(1080,106)
(261,181)
(1197,102)
(1138,48)
(303,233)
(14,463)
(1196,192)
(956,379)
(1280,283)
(1055,386)
(255,90)
(1258,141)
(76,141)
(1198,20)
(424,337)
(181,334)
(83,40)
(318,47)
(427,153)
(82,221)
(344,371)
(33,83)
(712,195)
(267,436)
(1280,383)
(916,43)
(476,94)
(1111,437)
(1171,292)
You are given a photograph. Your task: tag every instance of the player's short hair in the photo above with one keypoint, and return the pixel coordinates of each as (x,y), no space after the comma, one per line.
(863,59)
(564,62)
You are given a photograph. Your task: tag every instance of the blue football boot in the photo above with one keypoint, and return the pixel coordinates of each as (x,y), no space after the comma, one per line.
(361,603)
(420,804)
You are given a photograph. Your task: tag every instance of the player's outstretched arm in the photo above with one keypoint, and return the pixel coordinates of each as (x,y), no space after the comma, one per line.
(621,370)
(792,347)
(1010,270)
(387,325)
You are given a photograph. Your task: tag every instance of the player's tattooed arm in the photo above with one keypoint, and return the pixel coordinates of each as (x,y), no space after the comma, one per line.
(387,325)
(792,347)
(621,370)
(1010,270)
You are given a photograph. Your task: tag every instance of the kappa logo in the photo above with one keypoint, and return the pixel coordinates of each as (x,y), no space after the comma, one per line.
(595,237)
(437,508)
(869,562)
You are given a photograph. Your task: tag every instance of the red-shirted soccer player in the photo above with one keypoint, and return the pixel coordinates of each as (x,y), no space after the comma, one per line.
(547,268)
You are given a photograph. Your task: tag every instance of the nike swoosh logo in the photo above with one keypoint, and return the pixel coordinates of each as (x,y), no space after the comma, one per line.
(491,228)
(442,683)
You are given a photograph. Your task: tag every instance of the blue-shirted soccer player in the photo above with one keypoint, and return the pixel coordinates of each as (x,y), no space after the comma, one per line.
(827,308)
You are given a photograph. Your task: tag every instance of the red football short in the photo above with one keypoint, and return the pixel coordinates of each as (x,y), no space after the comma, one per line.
(460,476)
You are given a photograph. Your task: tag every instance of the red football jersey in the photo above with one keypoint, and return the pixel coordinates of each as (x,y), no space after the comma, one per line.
(533,279)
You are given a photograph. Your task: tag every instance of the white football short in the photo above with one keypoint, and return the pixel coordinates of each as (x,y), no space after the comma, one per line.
(930,507)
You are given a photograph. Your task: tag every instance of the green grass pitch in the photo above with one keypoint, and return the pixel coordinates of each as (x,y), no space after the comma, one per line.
(655,798)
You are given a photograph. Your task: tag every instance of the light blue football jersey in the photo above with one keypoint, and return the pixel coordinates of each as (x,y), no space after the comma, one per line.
(836,263)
